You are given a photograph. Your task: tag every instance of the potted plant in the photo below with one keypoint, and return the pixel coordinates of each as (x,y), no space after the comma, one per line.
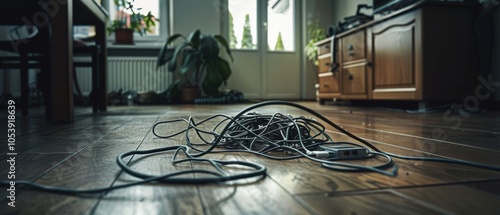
(316,34)
(129,20)
(199,64)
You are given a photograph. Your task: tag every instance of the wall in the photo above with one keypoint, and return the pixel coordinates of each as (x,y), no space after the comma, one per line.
(189,15)
(343,8)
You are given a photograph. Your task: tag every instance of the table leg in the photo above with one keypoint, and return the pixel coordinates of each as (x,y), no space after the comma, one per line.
(62,64)
(103,66)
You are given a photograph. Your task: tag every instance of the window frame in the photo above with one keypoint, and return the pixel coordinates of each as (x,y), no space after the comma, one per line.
(163,24)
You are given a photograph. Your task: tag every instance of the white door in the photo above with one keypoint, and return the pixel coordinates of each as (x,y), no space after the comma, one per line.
(265,38)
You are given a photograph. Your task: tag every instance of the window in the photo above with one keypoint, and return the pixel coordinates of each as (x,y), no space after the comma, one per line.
(279,30)
(280,18)
(158,9)
(242,24)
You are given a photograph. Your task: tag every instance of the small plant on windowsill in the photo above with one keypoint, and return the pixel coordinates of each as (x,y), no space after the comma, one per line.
(198,63)
(129,20)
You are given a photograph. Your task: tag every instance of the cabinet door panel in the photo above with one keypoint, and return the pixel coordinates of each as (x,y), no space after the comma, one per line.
(393,57)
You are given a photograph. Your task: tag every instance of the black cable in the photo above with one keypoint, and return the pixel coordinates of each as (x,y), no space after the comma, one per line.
(222,176)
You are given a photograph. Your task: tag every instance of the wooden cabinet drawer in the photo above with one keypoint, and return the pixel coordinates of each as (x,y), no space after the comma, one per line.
(354,79)
(353,46)
(329,83)
(324,48)
(324,64)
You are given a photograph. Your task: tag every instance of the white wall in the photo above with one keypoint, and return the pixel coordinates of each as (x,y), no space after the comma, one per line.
(189,15)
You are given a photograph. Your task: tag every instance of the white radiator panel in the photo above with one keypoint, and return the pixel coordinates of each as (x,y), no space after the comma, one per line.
(127,73)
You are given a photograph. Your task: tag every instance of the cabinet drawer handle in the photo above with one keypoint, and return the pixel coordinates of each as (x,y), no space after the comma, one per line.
(327,64)
(350,50)
(327,46)
(325,85)
(351,77)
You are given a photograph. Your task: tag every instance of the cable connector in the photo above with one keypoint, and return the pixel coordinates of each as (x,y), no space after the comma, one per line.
(320,154)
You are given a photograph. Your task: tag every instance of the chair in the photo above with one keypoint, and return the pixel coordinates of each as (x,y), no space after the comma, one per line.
(32,52)
(28,50)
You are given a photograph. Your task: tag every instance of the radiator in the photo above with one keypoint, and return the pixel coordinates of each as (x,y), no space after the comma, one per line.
(127,73)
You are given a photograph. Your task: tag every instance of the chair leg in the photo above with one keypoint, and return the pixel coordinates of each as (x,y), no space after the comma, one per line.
(78,89)
(24,84)
(43,81)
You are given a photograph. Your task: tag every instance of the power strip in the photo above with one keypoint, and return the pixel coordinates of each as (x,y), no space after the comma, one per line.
(345,151)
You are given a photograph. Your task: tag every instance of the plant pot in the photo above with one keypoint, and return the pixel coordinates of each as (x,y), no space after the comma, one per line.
(189,93)
(124,36)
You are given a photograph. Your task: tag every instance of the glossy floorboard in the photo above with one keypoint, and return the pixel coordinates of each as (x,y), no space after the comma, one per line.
(82,155)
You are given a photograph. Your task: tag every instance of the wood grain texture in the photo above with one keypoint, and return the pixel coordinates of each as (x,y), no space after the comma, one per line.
(382,202)
(394,56)
(465,197)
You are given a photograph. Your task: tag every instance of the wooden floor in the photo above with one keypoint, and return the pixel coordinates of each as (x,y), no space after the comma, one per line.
(82,155)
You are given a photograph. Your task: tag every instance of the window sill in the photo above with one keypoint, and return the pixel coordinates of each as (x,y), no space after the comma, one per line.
(140,49)
(137,45)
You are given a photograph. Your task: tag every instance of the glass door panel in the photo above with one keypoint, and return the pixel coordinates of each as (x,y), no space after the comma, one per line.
(242,23)
(280,25)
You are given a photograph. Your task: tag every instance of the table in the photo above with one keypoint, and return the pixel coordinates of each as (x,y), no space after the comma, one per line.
(84,12)
(62,14)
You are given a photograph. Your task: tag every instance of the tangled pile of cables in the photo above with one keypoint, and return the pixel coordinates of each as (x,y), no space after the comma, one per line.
(282,137)
(274,136)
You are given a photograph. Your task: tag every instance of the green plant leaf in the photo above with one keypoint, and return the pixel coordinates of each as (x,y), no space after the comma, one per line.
(209,48)
(190,62)
(162,57)
(223,68)
(218,71)
(213,80)
(172,64)
(194,38)
(224,43)
(173,38)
